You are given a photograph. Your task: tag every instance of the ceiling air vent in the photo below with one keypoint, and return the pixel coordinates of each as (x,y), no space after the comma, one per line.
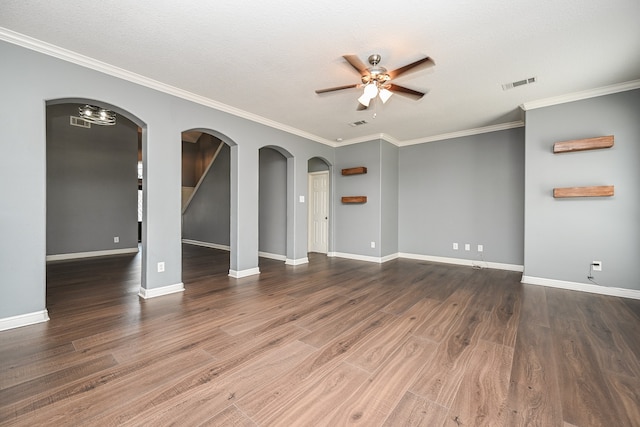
(358,123)
(77,121)
(528,81)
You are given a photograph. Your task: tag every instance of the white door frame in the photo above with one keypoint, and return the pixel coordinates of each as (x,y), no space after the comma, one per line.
(311,208)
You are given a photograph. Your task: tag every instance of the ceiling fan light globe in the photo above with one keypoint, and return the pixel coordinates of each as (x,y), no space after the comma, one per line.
(385,94)
(371,90)
(364,100)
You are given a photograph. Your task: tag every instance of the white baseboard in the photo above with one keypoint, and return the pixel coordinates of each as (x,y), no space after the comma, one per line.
(582,287)
(298,261)
(244,273)
(206,244)
(269,255)
(378,260)
(158,292)
(78,255)
(456,261)
(24,320)
(389,257)
(465,262)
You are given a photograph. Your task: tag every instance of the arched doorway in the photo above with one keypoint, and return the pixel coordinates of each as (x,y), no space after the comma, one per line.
(206,195)
(92,184)
(272,204)
(319,208)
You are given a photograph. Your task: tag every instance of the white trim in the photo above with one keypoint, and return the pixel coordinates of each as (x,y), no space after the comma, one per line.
(78,255)
(465,262)
(269,255)
(389,257)
(88,62)
(103,67)
(298,261)
(239,274)
(369,138)
(378,260)
(585,94)
(23,320)
(331,254)
(582,287)
(462,133)
(206,244)
(158,292)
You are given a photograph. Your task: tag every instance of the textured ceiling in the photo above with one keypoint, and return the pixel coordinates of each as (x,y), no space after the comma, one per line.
(267,58)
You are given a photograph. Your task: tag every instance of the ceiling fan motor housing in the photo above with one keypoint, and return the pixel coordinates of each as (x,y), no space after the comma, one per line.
(375,73)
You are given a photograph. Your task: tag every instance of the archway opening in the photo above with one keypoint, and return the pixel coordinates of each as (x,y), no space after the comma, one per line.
(319,207)
(93,203)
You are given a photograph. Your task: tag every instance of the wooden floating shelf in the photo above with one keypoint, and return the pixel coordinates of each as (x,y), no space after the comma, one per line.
(583,144)
(354,171)
(354,199)
(598,191)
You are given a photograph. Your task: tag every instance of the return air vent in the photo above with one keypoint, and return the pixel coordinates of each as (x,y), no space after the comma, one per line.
(77,121)
(511,85)
(358,123)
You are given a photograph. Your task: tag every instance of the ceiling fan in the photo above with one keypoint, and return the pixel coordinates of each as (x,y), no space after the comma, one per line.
(376,80)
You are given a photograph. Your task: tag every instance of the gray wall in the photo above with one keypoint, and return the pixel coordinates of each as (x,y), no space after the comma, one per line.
(357,225)
(563,236)
(464,190)
(317,165)
(389,158)
(207,218)
(92,186)
(28,79)
(272,225)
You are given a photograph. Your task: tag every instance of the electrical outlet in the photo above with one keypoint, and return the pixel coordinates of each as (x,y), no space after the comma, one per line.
(160,267)
(597,265)
(116,239)
(455,246)
(467,246)
(373,244)
(480,248)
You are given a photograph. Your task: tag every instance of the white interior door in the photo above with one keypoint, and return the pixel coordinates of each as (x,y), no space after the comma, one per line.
(318,211)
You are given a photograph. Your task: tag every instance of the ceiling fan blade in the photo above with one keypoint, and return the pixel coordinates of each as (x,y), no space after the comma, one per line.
(414,66)
(357,64)
(401,90)
(332,89)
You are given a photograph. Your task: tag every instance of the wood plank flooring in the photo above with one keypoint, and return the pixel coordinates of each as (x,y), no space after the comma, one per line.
(332,343)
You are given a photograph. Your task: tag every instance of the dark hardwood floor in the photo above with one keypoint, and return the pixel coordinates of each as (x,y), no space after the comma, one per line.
(335,342)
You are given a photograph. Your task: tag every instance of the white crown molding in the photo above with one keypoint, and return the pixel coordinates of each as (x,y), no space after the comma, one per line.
(360,139)
(158,292)
(582,287)
(23,320)
(88,62)
(585,94)
(79,255)
(462,133)
(398,143)
(239,274)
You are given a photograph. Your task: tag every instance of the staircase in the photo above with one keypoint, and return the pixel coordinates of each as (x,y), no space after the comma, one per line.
(199,151)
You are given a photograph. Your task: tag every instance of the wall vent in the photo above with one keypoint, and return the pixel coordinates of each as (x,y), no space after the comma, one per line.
(511,85)
(77,121)
(358,123)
